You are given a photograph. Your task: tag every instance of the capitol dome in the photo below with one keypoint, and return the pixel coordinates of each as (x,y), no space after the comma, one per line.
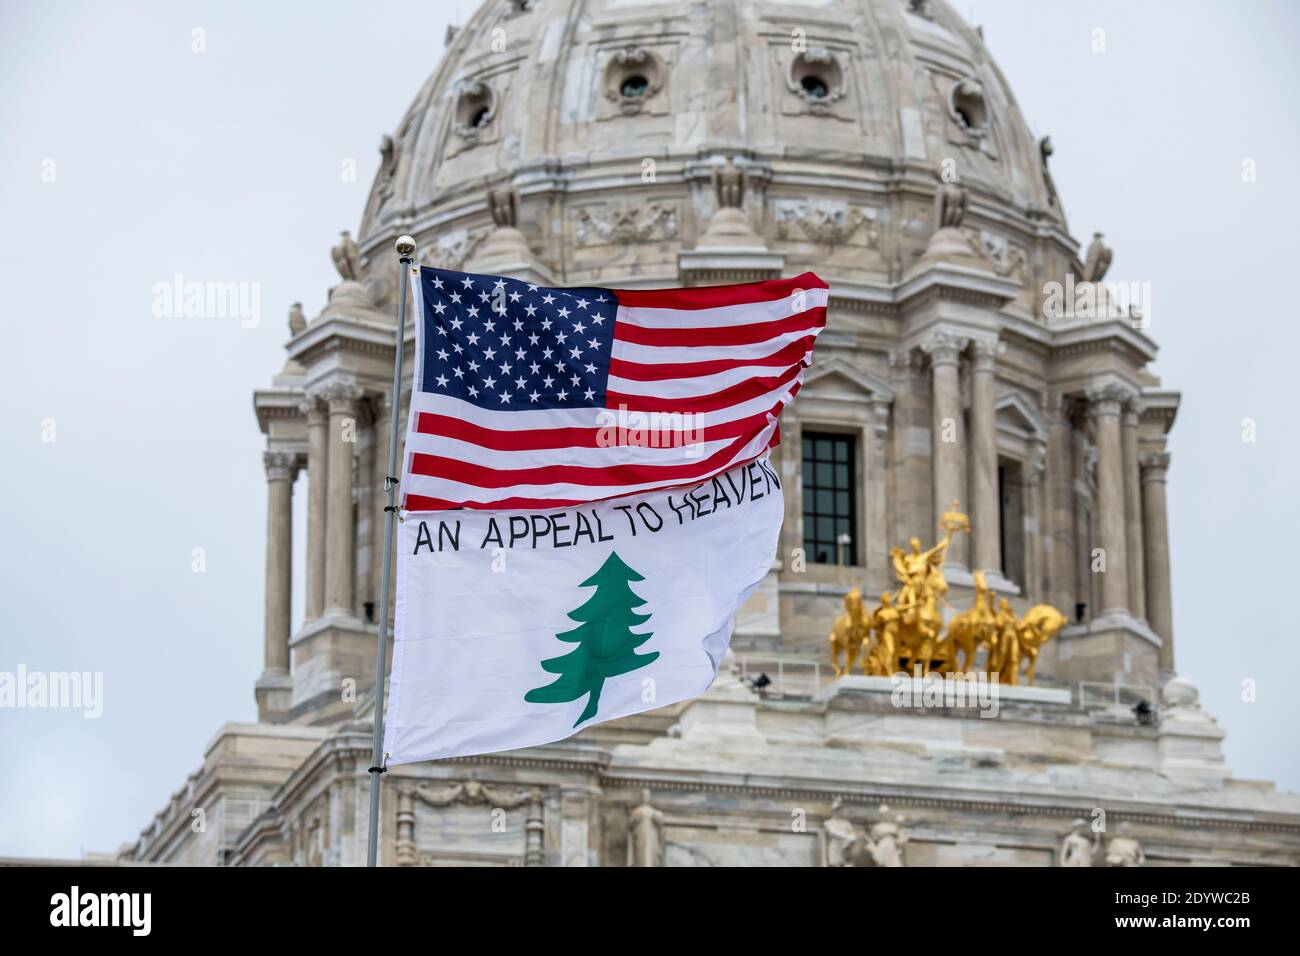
(604,121)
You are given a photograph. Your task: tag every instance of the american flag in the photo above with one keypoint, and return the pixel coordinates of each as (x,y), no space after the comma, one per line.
(531,397)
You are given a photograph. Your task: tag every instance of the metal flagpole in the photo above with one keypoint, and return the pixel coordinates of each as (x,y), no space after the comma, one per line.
(405,248)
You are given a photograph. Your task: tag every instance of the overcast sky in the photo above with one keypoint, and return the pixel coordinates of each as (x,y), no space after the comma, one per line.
(130,158)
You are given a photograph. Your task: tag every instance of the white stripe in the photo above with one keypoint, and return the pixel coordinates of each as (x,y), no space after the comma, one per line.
(618,454)
(672,354)
(528,419)
(721,316)
(458,491)
(697,387)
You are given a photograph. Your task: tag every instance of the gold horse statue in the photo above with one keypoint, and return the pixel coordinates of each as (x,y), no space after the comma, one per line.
(1039,625)
(848,633)
(972,628)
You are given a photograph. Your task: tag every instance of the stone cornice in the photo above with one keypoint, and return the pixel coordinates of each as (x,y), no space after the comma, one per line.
(1109,335)
(1160,406)
(273,403)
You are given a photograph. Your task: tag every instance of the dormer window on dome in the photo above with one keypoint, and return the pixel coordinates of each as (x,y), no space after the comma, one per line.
(817,78)
(476,106)
(966,103)
(632,76)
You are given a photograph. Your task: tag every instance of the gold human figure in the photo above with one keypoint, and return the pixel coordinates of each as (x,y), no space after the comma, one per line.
(882,661)
(1004,647)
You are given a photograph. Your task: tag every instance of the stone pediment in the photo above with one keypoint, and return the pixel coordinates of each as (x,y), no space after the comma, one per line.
(836,378)
(1017,415)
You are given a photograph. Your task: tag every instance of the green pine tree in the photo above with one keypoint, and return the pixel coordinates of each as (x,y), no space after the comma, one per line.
(606,643)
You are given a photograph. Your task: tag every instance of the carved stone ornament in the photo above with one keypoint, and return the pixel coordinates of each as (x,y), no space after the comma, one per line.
(387,167)
(633,75)
(474,793)
(816,76)
(451,250)
(825,223)
(645,222)
(476,108)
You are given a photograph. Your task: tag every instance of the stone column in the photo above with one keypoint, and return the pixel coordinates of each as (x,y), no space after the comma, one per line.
(317,419)
(1106,405)
(1155,525)
(1057,521)
(911,485)
(1133,513)
(1035,552)
(984,503)
(948,442)
(281,468)
(342,399)
(875,546)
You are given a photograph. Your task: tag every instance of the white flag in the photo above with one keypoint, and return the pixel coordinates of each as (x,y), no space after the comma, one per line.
(516,628)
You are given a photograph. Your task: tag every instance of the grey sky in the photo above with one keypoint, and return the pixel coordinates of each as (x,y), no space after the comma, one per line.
(227,165)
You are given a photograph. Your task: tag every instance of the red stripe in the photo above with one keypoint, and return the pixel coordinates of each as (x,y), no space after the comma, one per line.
(721,335)
(480,476)
(710,297)
(416,503)
(795,351)
(723,398)
(538,439)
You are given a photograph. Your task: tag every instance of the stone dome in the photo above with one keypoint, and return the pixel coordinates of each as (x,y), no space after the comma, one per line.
(605,121)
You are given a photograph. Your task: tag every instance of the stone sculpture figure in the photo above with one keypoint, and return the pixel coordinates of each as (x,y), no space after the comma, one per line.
(646,826)
(729,185)
(347,258)
(843,839)
(504,206)
(1076,848)
(848,633)
(887,838)
(949,205)
(1124,849)
(1098,259)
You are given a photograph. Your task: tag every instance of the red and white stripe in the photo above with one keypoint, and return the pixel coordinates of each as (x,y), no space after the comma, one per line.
(728,357)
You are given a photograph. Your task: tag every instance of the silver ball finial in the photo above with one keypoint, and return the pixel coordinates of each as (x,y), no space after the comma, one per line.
(405,246)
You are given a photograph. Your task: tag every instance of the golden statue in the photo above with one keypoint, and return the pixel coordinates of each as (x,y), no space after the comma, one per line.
(1039,625)
(882,659)
(923,586)
(969,629)
(906,630)
(848,633)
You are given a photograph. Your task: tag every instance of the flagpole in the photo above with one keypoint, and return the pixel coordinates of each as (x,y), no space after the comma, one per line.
(405,247)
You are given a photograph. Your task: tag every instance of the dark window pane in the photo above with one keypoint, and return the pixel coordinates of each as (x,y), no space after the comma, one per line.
(829,501)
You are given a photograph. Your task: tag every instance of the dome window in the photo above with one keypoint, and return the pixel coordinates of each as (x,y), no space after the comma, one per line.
(815,87)
(817,78)
(634,87)
(476,106)
(632,76)
(966,103)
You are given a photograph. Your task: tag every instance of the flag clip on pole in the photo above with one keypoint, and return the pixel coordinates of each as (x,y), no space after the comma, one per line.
(405,247)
